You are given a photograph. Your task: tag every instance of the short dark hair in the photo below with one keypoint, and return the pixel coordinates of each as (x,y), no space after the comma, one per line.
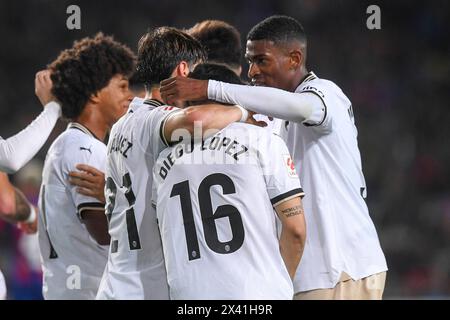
(212,71)
(221,40)
(161,50)
(279,29)
(86,68)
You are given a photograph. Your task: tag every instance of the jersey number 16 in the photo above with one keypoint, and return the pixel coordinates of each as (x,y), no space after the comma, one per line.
(209,217)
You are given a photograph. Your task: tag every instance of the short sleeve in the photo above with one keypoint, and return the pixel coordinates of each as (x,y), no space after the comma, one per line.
(282,181)
(155,122)
(92,153)
(154,200)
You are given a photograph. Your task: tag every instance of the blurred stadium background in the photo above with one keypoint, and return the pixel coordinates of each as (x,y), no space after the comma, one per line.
(396,77)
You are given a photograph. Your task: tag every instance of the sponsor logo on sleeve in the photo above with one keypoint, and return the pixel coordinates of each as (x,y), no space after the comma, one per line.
(289,163)
(314,89)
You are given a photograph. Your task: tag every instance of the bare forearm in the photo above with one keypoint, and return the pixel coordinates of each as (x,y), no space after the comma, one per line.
(293,233)
(97,225)
(22,207)
(291,249)
(17,211)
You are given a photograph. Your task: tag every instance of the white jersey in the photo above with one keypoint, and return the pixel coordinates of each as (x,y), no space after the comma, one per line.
(73,262)
(135,268)
(2,287)
(341,235)
(215,212)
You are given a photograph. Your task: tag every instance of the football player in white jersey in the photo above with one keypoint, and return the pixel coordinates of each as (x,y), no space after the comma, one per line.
(342,245)
(135,268)
(16,151)
(215,200)
(90,80)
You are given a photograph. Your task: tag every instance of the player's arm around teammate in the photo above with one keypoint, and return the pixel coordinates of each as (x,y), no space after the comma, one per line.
(91,181)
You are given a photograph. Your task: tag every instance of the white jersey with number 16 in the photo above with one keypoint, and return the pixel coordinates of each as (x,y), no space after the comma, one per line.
(215,211)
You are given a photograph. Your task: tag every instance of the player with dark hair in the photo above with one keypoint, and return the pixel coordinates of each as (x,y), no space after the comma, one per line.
(135,268)
(206,71)
(218,225)
(155,47)
(222,43)
(343,258)
(90,80)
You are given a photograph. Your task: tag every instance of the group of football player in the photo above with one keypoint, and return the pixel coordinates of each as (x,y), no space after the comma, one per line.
(202,186)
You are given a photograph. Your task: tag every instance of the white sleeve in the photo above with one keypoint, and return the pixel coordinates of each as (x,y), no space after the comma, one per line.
(282,181)
(92,154)
(155,183)
(155,123)
(302,107)
(17,150)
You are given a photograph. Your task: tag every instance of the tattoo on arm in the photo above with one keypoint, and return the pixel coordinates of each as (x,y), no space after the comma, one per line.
(22,207)
(293,211)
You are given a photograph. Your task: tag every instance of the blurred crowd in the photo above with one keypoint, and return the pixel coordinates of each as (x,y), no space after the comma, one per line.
(396,78)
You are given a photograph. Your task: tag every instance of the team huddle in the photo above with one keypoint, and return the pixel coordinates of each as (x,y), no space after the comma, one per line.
(205,187)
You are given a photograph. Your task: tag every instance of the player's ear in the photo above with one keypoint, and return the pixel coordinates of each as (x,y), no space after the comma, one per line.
(182,69)
(296,58)
(95,98)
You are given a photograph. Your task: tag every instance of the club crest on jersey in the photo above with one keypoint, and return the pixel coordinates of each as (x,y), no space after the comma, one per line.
(290,166)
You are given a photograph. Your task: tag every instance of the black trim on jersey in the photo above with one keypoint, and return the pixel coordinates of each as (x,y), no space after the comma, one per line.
(156,103)
(153,102)
(89,205)
(53,254)
(161,132)
(287,195)
(325,113)
(277,134)
(114,246)
(79,126)
(310,76)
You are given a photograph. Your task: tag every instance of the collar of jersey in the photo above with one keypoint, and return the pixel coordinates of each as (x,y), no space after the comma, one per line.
(153,102)
(310,76)
(138,102)
(79,126)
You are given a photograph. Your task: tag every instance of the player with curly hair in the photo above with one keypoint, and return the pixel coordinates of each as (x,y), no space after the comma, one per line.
(90,80)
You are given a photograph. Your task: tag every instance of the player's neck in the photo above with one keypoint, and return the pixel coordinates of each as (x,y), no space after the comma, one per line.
(298,78)
(95,122)
(154,94)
